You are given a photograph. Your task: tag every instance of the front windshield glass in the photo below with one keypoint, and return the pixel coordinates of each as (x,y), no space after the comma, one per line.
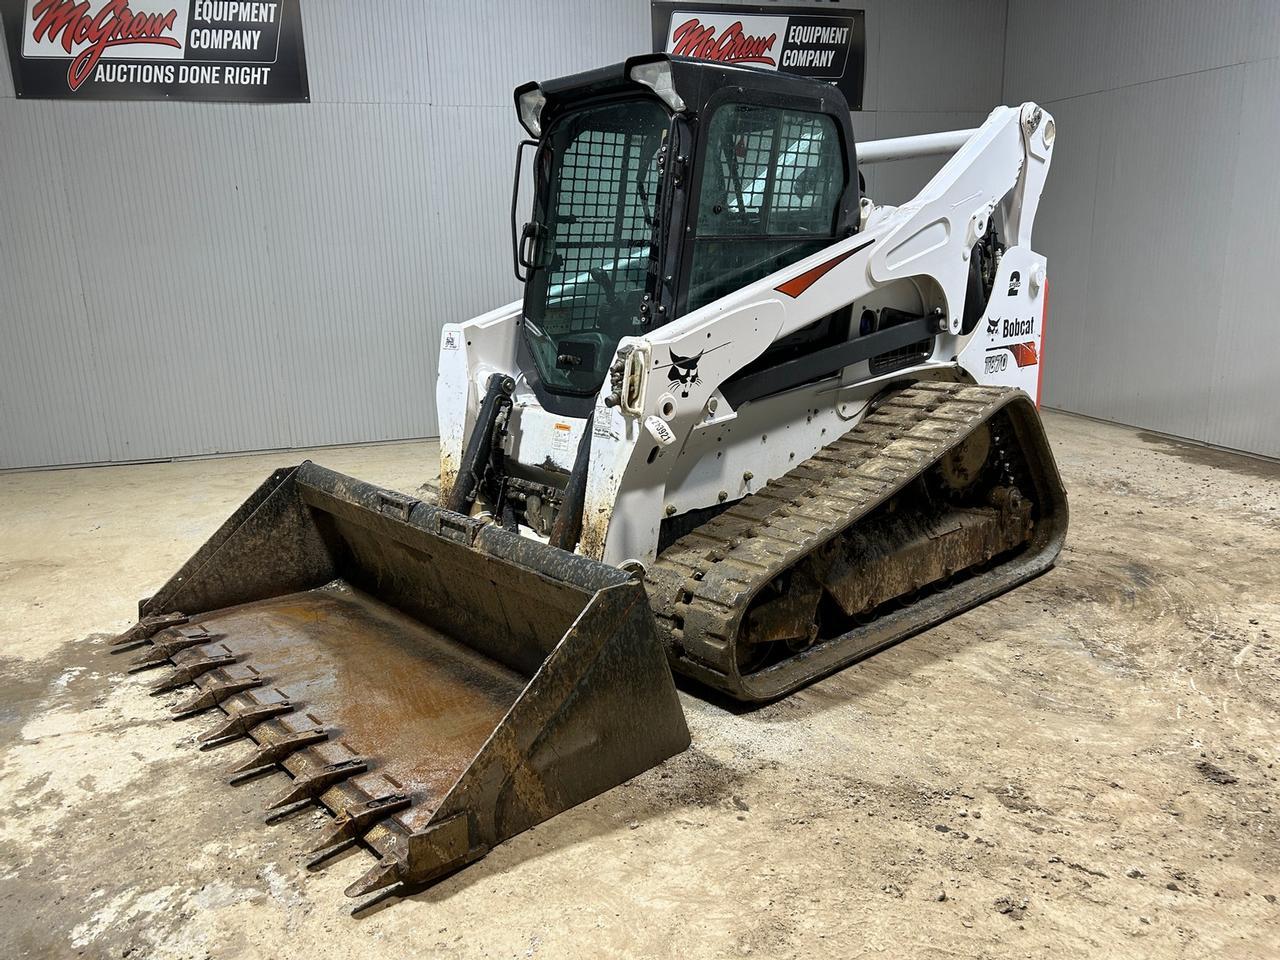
(584,293)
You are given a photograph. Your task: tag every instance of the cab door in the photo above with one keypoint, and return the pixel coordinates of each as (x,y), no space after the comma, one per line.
(772,178)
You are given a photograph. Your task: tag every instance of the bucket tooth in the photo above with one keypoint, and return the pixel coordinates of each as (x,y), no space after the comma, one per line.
(424,856)
(311,785)
(242,721)
(180,638)
(165,645)
(188,670)
(358,818)
(253,773)
(284,813)
(150,658)
(272,752)
(145,629)
(212,694)
(385,873)
(322,855)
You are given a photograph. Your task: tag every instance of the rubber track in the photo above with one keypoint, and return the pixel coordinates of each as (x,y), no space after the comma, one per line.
(702,585)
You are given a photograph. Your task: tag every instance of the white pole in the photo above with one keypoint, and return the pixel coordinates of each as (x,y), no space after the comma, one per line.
(924,145)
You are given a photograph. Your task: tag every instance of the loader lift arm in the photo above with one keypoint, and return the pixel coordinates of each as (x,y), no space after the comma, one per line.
(926,244)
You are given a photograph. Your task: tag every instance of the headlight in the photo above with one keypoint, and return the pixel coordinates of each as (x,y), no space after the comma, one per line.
(656,75)
(530,104)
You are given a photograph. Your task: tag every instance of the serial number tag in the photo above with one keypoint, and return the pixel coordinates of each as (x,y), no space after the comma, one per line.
(661,432)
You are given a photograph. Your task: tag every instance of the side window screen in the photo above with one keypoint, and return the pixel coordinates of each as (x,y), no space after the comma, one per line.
(771,182)
(736,176)
(809,176)
(599,183)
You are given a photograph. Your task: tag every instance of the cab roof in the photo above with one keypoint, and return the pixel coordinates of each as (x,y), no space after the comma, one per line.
(695,81)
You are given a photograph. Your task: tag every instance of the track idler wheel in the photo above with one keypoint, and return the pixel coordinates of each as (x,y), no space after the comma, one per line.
(960,467)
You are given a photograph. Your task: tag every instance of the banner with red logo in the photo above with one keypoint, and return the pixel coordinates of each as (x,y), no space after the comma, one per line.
(813,42)
(244,50)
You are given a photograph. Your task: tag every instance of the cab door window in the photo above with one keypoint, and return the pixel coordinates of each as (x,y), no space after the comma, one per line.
(772,180)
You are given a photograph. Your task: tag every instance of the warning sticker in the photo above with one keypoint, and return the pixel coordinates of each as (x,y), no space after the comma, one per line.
(561,435)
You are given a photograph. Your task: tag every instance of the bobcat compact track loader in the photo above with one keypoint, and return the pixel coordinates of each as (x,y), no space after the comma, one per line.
(744,423)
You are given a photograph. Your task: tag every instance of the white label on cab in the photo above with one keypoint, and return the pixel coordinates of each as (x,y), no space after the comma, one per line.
(561,433)
(661,432)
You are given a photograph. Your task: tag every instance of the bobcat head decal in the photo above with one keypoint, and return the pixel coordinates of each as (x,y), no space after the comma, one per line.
(684,371)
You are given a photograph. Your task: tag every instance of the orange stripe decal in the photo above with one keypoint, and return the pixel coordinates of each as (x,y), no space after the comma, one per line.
(1024,353)
(799,284)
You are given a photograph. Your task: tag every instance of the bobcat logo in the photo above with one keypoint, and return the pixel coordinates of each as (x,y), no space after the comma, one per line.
(992,326)
(684,371)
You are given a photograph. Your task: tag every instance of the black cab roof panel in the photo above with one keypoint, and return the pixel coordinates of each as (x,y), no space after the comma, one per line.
(696,82)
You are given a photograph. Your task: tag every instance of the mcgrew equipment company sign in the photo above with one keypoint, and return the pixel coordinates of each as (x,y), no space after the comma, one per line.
(808,41)
(156,49)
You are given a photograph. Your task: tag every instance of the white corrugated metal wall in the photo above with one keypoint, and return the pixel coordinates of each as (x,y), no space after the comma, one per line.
(181,279)
(1160,215)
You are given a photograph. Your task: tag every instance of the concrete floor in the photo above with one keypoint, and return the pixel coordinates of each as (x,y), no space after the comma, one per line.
(1083,767)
